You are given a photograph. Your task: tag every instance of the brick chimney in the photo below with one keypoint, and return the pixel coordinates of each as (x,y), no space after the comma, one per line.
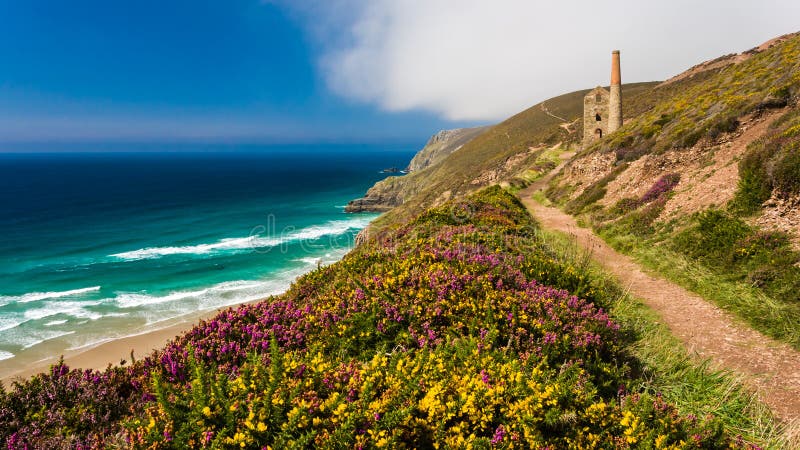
(615,97)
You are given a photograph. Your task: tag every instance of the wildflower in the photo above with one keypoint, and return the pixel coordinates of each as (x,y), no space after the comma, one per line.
(499,433)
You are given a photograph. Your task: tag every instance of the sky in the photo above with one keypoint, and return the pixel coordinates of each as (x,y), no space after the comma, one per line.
(277,71)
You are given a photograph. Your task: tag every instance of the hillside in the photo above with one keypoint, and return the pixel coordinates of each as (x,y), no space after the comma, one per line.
(708,179)
(503,152)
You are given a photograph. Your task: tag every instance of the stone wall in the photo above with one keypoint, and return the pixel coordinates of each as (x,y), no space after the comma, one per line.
(595,103)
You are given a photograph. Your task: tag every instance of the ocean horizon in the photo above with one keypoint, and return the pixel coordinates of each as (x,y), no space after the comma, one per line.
(101,246)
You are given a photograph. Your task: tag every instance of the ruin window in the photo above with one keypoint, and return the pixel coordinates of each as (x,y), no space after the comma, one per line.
(598,98)
(599,133)
(597,117)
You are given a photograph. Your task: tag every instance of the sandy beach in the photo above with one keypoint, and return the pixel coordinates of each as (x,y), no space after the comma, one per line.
(111,352)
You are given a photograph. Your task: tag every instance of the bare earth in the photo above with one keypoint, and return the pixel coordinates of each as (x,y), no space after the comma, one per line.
(770,367)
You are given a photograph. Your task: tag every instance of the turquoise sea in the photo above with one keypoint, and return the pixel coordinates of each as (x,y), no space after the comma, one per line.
(97,246)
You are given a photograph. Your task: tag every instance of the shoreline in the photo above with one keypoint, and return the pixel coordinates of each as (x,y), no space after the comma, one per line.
(98,357)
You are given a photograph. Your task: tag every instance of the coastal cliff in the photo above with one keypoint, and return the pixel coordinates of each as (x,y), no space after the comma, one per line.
(388,193)
(442,144)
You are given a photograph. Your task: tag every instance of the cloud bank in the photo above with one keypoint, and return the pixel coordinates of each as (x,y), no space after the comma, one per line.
(476,60)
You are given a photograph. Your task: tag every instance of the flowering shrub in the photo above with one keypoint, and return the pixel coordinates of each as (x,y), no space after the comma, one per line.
(662,187)
(68,408)
(768,242)
(455,395)
(636,215)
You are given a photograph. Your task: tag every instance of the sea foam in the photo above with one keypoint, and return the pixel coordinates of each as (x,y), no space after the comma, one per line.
(219,295)
(74,309)
(313,232)
(36,296)
(34,337)
(9,322)
(222,294)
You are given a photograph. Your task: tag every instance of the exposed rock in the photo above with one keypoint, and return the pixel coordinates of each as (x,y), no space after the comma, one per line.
(381,197)
(584,171)
(782,214)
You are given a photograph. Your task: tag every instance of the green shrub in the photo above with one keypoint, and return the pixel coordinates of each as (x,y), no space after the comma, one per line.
(777,98)
(690,138)
(640,222)
(628,154)
(622,207)
(713,237)
(755,185)
(727,124)
(786,173)
(770,164)
(763,259)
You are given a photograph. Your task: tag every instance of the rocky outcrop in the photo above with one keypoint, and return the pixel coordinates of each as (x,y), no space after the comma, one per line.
(782,214)
(383,196)
(442,144)
(378,199)
(388,193)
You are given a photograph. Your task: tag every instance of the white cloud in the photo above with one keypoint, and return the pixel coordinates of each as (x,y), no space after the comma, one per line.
(486,60)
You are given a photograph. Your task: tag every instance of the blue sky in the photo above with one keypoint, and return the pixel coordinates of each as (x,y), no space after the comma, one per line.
(263,71)
(173,70)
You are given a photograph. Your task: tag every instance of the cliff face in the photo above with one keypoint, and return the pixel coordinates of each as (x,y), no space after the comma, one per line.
(388,193)
(442,144)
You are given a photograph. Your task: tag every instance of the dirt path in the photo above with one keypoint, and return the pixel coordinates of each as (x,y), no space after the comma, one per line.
(565,124)
(547,111)
(770,367)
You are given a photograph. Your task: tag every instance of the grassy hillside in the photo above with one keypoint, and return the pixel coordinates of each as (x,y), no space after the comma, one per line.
(686,186)
(497,154)
(466,328)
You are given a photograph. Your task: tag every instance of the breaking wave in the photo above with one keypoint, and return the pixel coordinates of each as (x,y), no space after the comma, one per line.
(331,228)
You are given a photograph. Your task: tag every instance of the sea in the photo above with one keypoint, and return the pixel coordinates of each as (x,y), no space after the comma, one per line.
(95,246)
